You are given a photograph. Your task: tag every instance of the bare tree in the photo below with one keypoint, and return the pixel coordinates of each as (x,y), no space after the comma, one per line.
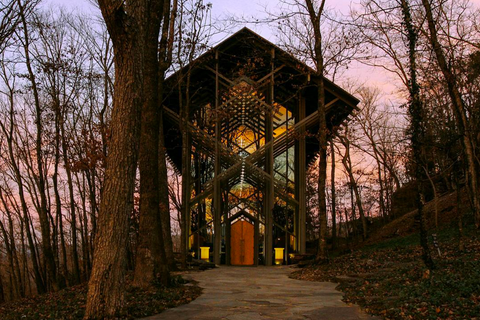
(40,183)
(417,128)
(459,109)
(347,164)
(315,36)
(381,137)
(10,18)
(315,12)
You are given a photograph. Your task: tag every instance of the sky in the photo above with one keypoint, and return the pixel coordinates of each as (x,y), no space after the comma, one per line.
(256,8)
(220,8)
(358,73)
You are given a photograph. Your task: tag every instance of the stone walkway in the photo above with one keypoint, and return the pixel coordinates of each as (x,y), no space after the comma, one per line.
(261,293)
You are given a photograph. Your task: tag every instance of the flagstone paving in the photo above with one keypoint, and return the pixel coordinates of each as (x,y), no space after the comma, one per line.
(248,293)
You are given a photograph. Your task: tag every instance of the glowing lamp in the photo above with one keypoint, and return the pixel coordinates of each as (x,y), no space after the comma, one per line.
(279,256)
(291,256)
(205,253)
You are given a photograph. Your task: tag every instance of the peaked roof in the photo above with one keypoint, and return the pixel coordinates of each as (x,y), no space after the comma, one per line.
(287,58)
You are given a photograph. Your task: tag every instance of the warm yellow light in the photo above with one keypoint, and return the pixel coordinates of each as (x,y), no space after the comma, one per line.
(279,256)
(205,253)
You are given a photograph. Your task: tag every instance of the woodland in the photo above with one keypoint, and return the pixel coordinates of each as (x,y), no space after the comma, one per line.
(91,207)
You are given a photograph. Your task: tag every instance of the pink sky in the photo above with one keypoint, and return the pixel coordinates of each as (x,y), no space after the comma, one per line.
(225,8)
(247,8)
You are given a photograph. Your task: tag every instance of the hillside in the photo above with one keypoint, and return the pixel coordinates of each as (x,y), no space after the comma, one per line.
(386,276)
(406,225)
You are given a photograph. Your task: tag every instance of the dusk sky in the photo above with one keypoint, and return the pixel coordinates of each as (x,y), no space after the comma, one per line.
(370,76)
(226,8)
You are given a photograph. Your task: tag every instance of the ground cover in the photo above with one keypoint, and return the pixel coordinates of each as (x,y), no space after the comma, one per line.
(70,303)
(389,279)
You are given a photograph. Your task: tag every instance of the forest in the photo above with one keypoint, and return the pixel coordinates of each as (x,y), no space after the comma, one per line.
(89,197)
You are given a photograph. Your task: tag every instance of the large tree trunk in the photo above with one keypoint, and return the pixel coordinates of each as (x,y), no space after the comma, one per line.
(458,107)
(107,282)
(150,258)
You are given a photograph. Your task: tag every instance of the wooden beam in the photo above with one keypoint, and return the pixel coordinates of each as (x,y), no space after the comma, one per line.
(302,183)
(217,192)
(217,74)
(269,76)
(269,162)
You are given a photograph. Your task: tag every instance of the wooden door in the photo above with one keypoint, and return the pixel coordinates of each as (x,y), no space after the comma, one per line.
(242,243)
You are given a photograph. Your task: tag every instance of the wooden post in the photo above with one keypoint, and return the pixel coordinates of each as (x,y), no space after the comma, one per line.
(300,182)
(186,187)
(255,243)
(270,190)
(217,192)
(287,234)
(296,226)
(228,236)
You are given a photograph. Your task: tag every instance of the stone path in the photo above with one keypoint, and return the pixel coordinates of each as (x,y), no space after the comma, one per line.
(262,293)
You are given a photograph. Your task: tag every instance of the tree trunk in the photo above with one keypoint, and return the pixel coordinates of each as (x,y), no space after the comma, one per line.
(73,213)
(2,295)
(347,163)
(150,261)
(382,188)
(107,282)
(93,210)
(435,195)
(165,59)
(415,110)
(314,15)
(58,202)
(334,199)
(13,280)
(164,203)
(461,242)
